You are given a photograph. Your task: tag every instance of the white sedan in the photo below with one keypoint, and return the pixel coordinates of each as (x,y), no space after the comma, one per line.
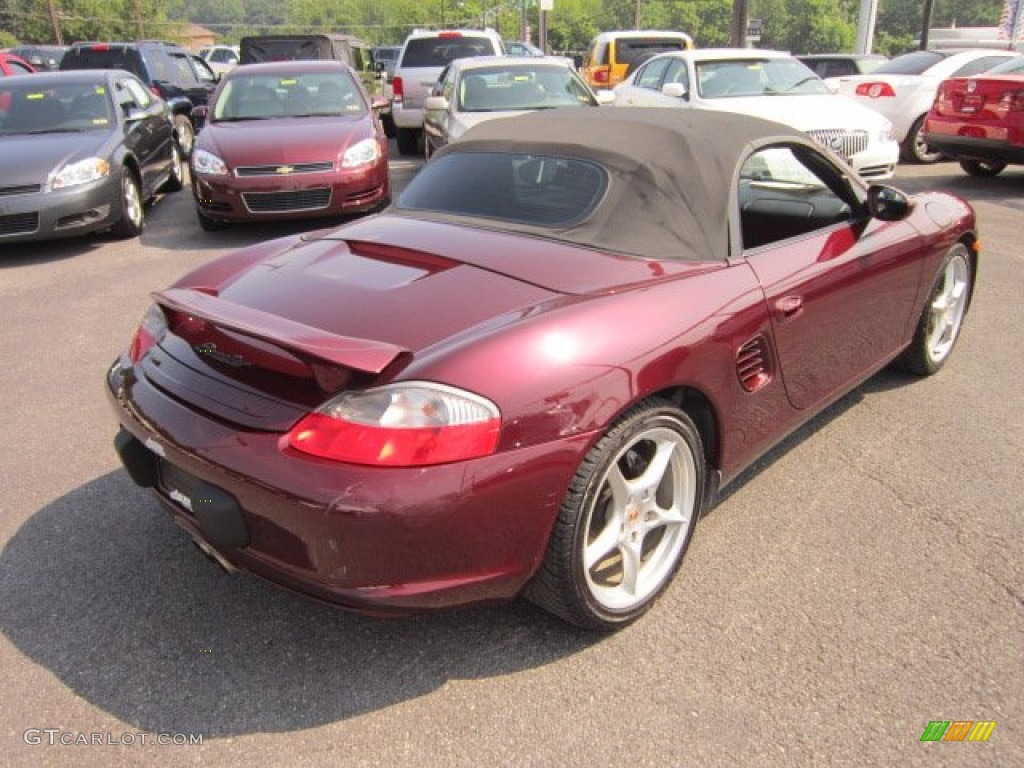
(904,88)
(770,85)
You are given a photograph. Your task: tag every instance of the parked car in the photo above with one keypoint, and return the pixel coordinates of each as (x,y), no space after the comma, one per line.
(385,59)
(312,47)
(166,68)
(42,58)
(903,90)
(979,120)
(424,55)
(14,65)
(533,373)
(826,65)
(221,58)
(81,152)
(289,140)
(611,54)
(767,84)
(472,91)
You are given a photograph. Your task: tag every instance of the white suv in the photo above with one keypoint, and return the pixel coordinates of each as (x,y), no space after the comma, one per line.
(423,56)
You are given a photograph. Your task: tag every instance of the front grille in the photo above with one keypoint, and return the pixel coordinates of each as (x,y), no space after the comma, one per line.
(19,224)
(753,364)
(21,189)
(843,142)
(285,202)
(284,169)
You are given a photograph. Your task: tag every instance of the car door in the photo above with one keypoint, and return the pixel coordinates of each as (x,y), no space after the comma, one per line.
(147,128)
(435,121)
(643,89)
(840,286)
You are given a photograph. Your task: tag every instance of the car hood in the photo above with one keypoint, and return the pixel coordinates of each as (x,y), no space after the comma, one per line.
(412,283)
(811,112)
(32,158)
(283,140)
(467,120)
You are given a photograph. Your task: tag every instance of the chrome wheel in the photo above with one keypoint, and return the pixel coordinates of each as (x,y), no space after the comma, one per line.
(639,521)
(184,135)
(947,308)
(942,317)
(130,223)
(626,520)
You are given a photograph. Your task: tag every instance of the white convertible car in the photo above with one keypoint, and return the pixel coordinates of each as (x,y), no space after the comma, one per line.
(771,85)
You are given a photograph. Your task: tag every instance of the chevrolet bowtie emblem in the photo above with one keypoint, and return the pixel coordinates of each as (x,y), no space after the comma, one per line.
(283,169)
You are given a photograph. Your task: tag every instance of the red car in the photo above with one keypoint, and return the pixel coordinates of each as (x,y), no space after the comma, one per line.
(12,65)
(532,373)
(289,140)
(979,120)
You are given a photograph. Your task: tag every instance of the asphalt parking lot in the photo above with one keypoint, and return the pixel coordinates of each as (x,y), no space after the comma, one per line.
(861,581)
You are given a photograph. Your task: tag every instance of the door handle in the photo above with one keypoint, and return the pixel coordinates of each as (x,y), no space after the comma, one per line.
(789,306)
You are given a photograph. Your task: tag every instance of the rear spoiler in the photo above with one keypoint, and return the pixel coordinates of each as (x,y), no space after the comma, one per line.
(361,354)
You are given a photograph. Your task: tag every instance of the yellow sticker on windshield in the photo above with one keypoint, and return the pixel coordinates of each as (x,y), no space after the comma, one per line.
(99,121)
(35,96)
(100,89)
(289,82)
(521,78)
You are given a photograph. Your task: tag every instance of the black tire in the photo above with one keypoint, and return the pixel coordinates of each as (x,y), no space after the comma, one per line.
(389,125)
(942,316)
(408,140)
(981,168)
(208,224)
(177,178)
(133,214)
(914,148)
(184,134)
(649,524)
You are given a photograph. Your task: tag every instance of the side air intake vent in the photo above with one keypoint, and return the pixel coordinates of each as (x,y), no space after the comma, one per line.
(754,364)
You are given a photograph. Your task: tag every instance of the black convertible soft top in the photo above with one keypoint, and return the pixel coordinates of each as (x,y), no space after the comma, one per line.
(670,172)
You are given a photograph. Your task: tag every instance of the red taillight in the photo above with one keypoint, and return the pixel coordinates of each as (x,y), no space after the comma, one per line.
(149,333)
(338,440)
(601,76)
(449,34)
(99,47)
(1013,101)
(413,424)
(397,89)
(875,90)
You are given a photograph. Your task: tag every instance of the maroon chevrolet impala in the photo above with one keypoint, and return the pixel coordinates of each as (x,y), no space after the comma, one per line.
(532,372)
(288,140)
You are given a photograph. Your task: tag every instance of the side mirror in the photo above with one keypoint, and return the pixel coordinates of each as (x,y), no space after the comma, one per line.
(134,114)
(888,203)
(435,103)
(200,112)
(377,103)
(605,97)
(676,91)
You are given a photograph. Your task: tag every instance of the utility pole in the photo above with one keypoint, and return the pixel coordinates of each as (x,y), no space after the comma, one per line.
(866,25)
(738,33)
(52,8)
(926,23)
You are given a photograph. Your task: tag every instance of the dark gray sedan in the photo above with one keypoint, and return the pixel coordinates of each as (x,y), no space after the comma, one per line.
(81,152)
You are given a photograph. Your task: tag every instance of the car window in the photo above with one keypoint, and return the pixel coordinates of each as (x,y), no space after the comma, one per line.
(984,64)
(628,49)
(183,74)
(650,76)
(676,73)
(18,68)
(911,63)
(728,78)
(511,88)
(782,195)
(257,97)
(224,56)
(51,107)
(438,51)
(131,94)
(527,189)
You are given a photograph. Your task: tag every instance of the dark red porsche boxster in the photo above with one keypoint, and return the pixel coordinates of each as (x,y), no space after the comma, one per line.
(532,372)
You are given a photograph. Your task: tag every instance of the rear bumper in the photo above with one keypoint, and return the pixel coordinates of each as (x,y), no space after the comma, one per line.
(969,147)
(377,540)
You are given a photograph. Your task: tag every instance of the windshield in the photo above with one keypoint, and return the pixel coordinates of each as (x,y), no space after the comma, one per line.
(438,51)
(914,63)
(513,88)
(260,97)
(48,108)
(1010,67)
(731,78)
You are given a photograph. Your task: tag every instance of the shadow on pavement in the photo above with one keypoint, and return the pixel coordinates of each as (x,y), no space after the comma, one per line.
(103,590)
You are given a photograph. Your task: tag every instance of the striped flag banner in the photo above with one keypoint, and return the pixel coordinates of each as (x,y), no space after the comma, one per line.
(1010,21)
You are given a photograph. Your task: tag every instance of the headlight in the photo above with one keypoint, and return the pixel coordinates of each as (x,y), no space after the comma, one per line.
(82,172)
(400,425)
(361,153)
(208,163)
